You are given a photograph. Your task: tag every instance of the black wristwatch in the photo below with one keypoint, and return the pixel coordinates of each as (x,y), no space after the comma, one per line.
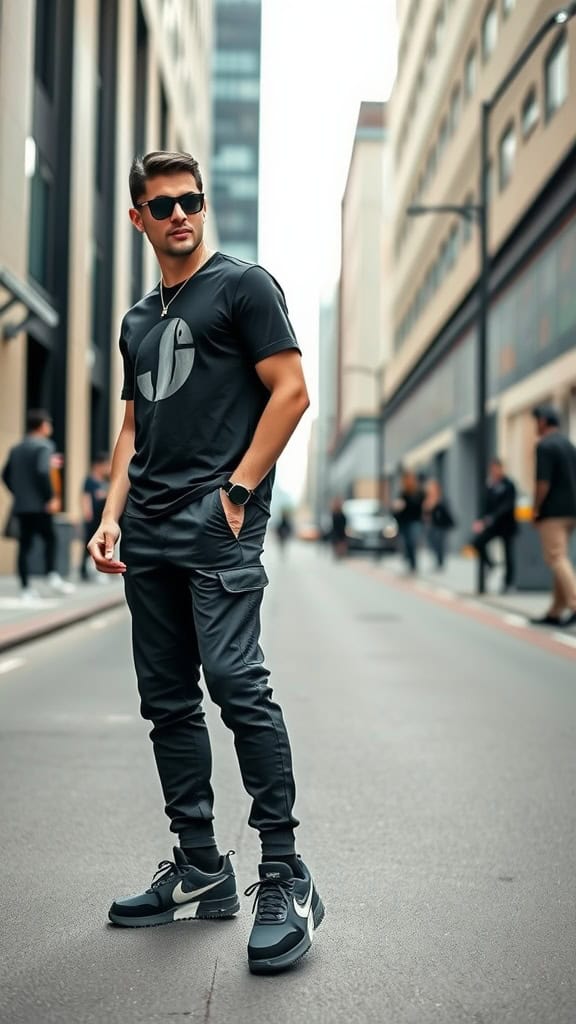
(238,494)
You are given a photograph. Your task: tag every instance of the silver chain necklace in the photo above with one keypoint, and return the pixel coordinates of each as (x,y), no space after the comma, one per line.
(165,305)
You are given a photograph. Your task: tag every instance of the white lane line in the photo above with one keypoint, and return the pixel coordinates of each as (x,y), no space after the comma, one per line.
(10,664)
(515,620)
(120,719)
(562,638)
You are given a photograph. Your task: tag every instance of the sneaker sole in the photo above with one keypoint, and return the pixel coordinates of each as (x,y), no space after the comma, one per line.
(206,910)
(274,965)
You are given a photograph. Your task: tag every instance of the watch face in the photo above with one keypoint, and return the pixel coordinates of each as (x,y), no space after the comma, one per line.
(238,494)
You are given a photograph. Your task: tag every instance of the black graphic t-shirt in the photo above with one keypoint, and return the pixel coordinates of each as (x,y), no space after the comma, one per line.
(197,396)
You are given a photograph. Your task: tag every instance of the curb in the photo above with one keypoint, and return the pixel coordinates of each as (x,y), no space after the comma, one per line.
(22,633)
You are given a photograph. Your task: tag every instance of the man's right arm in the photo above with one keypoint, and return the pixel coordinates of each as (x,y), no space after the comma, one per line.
(101,547)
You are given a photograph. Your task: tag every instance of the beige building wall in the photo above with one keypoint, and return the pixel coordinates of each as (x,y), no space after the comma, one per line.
(16,51)
(420,103)
(360,310)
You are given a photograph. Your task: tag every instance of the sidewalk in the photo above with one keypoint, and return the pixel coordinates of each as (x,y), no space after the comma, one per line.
(459,577)
(20,623)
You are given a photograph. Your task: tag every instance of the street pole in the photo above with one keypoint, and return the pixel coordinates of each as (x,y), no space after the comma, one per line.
(482,334)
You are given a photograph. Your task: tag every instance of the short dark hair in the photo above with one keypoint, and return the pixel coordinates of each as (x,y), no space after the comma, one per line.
(160,162)
(36,417)
(101,457)
(548,413)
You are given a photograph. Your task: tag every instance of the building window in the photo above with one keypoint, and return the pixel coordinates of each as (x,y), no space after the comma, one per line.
(489,32)
(45,45)
(236,62)
(41,233)
(556,76)
(530,113)
(468,221)
(455,108)
(237,88)
(470,73)
(234,158)
(507,7)
(506,155)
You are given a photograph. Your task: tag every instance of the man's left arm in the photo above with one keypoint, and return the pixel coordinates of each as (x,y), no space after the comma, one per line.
(283,377)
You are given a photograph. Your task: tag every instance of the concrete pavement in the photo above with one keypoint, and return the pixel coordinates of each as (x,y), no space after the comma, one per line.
(434,756)
(21,622)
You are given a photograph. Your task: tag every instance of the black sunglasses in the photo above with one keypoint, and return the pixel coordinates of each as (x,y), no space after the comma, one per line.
(163,206)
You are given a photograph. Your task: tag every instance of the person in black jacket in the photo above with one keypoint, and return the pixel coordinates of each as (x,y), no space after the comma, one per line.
(498,521)
(27,475)
(407,509)
(438,519)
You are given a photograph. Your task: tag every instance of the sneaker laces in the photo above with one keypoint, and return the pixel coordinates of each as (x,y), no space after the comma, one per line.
(272,897)
(167,869)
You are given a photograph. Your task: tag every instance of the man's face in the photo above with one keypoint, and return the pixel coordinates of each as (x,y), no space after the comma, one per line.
(496,472)
(179,234)
(540,426)
(47,428)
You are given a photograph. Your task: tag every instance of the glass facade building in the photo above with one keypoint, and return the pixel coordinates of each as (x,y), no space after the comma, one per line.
(236,119)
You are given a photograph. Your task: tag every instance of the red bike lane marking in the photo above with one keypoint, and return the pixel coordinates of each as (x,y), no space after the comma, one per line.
(462,605)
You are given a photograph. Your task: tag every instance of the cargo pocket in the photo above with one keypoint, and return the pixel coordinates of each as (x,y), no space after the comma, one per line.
(246,584)
(243,579)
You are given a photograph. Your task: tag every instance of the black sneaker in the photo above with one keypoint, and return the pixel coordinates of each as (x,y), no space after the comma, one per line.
(288,910)
(179,893)
(547,620)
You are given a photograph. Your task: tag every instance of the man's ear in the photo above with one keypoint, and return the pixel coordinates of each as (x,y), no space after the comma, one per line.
(136,219)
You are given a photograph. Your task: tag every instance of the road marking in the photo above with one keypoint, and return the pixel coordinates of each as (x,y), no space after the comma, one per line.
(10,664)
(100,623)
(447,595)
(120,719)
(568,641)
(515,620)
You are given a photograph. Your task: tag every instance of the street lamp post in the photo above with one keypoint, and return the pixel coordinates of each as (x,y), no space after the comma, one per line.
(375,373)
(480,212)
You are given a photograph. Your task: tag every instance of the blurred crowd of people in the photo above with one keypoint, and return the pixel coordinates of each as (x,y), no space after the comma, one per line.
(425,516)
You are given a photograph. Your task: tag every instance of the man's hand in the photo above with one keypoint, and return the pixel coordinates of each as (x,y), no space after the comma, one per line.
(234,513)
(478,525)
(54,506)
(102,545)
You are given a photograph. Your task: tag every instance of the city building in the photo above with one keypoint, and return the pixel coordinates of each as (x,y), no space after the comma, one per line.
(83,87)
(236,125)
(363,316)
(452,56)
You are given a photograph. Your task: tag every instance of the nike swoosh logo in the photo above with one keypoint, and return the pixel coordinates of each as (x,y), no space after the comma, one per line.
(304,910)
(180,896)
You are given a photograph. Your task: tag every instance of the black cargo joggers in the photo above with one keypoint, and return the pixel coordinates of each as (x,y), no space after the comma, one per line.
(194,591)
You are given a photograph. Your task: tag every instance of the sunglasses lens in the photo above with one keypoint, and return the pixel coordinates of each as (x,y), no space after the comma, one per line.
(161,208)
(192,203)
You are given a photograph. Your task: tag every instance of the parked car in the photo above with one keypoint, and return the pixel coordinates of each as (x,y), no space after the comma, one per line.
(368,528)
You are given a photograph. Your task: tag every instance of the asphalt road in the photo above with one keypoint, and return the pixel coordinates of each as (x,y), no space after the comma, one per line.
(436,767)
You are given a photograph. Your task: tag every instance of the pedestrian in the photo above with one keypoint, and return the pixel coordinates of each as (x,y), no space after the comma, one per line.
(407,508)
(214,389)
(338,528)
(555,513)
(498,522)
(94,494)
(438,519)
(284,530)
(27,475)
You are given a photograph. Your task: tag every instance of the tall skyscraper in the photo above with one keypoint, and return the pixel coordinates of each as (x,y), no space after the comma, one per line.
(236,116)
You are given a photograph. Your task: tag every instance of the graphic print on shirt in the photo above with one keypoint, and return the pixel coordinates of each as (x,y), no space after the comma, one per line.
(176,353)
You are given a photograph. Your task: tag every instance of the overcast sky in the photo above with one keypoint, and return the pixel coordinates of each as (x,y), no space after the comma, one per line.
(320,59)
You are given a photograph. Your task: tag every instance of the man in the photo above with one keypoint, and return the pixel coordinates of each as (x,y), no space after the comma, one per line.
(555,512)
(27,475)
(499,520)
(214,389)
(93,500)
